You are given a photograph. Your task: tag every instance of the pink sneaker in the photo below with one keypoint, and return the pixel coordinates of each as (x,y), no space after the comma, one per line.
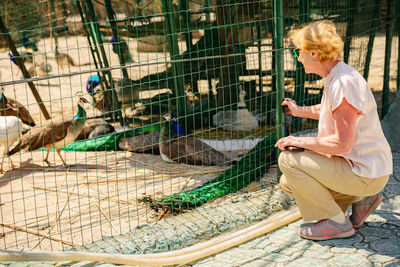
(363,208)
(327,229)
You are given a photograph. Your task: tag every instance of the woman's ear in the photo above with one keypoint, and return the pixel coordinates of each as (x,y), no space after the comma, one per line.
(315,55)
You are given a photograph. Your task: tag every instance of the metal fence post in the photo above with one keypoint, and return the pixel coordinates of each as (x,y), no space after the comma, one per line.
(278,41)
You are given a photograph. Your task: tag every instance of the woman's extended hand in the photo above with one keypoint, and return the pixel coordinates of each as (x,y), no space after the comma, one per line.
(290,107)
(289,141)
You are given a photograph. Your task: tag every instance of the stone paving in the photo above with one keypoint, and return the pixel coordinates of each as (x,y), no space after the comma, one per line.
(376,243)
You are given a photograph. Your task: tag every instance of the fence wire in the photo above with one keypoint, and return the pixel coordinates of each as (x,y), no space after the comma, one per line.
(132,111)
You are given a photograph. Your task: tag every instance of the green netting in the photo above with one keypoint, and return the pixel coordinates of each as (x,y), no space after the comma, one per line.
(219,67)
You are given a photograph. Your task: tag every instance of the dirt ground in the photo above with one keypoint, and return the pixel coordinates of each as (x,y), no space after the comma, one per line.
(53,208)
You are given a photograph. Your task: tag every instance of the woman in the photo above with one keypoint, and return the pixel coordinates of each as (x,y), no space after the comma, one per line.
(350,161)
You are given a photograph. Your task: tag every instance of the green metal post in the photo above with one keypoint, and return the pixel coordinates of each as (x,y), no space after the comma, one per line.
(299,89)
(350,29)
(177,68)
(388,53)
(184,9)
(53,23)
(279,63)
(21,65)
(373,26)
(398,44)
(114,28)
(109,94)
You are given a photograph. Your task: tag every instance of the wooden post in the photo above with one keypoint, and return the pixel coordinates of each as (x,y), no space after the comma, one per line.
(21,66)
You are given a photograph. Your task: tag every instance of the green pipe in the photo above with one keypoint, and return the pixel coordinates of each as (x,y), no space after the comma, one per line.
(388,53)
(177,68)
(114,29)
(279,63)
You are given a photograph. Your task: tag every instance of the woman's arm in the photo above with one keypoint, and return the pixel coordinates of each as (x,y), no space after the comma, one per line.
(341,142)
(311,112)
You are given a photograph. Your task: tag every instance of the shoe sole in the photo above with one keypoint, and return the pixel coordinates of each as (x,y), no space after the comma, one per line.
(371,209)
(339,235)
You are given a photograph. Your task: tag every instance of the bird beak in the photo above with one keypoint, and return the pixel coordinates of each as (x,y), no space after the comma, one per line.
(83,100)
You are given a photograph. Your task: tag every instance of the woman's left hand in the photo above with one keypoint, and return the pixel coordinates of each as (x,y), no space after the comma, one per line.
(289,141)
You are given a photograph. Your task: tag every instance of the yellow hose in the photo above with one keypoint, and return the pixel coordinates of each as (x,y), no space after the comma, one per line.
(180,256)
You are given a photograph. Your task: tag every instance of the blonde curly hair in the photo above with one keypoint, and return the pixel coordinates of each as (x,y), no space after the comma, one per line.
(320,37)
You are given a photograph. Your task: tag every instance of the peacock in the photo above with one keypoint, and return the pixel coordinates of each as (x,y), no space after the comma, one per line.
(176,147)
(28,43)
(122,48)
(53,135)
(249,168)
(11,107)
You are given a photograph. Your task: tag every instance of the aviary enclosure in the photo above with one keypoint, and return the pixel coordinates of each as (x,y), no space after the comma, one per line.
(133,111)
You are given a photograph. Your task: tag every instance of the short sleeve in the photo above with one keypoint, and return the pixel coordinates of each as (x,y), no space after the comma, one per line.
(354,89)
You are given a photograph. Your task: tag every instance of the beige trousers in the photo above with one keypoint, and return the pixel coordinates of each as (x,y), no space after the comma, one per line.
(323,185)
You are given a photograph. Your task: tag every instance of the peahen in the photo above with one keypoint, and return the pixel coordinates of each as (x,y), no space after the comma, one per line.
(179,148)
(53,135)
(11,107)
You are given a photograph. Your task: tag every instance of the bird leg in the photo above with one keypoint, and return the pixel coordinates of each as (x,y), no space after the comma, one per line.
(47,156)
(12,164)
(1,166)
(59,154)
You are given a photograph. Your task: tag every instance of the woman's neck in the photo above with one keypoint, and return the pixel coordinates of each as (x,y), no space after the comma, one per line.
(327,68)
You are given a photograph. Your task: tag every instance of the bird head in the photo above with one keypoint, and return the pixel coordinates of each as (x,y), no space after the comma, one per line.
(91,83)
(81,111)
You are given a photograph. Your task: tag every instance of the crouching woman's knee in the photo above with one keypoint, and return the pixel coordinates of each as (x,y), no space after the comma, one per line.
(285,160)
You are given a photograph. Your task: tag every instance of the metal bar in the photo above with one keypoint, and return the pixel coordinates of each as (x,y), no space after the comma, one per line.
(299,89)
(177,68)
(373,25)
(24,71)
(249,72)
(388,53)
(114,28)
(350,29)
(53,23)
(186,20)
(279,63)
(111,95)
(398,43)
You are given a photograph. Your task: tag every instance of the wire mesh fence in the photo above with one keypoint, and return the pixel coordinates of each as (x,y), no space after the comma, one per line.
(134,110)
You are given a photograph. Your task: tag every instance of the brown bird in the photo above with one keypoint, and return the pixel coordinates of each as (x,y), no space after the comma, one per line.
(187,149)
(53,135)
(65,60)
(11,107)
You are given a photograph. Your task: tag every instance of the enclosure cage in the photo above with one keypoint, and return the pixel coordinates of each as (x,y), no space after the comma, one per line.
(182,105)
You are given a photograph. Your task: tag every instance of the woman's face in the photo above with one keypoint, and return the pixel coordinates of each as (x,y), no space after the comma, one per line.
(309,61)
